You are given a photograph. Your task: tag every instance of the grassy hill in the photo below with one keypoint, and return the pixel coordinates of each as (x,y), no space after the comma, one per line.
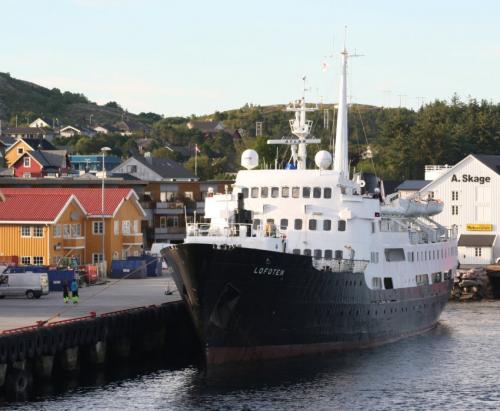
(28,101)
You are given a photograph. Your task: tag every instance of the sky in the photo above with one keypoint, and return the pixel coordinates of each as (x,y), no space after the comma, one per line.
(195,57)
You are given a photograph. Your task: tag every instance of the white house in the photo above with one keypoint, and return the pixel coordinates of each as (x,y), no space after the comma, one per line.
(101,130)
(470,191)
(41,123)
(69,131)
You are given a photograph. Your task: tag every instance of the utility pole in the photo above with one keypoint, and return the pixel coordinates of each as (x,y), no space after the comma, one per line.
(326,119)
(401,99)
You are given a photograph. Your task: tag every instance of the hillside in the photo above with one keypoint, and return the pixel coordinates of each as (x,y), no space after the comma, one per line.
(28,101)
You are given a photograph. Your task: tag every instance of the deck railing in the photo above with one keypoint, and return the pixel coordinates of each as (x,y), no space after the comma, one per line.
(232,230)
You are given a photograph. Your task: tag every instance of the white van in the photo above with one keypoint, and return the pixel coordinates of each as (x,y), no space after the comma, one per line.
(32,285)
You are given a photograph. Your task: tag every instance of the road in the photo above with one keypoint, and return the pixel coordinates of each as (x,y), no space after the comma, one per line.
(113,296)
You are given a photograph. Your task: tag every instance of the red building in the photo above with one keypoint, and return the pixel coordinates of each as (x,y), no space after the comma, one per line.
(41,163)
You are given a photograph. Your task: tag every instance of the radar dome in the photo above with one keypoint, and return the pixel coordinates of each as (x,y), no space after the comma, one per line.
(323,159)
(249,159)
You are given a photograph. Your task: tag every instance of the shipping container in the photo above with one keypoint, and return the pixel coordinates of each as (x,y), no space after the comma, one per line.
(58,277)
(128,269)
(153,264)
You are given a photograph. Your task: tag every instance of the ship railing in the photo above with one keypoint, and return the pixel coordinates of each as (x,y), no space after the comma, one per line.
(340,265)
(231,230)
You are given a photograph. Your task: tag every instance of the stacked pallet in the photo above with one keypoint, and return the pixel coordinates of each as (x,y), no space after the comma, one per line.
(471,285)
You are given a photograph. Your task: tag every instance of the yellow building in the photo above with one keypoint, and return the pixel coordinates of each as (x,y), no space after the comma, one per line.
(44,225)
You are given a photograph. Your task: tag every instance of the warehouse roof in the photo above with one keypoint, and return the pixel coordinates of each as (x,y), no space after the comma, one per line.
(476,240)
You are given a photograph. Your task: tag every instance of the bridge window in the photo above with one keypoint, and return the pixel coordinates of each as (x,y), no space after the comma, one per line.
(275,191)
(295,192)
(256,223)
(327,225)
(394,254)
(318,254)
(338,254)
(328,254)
(298,224)
(312,224)
(285,192)
(264,192)
(306,192)
(284,223)
(327,192)
(296,251)
(254,192)
(317,192)
(307,251)
(245,192)
(422,279)
(436,277)
(341,225)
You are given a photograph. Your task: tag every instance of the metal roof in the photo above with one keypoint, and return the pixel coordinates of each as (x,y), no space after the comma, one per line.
(476,240)
(413,185)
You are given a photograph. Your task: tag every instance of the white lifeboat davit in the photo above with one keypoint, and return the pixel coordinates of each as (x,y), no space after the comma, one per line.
(411,207)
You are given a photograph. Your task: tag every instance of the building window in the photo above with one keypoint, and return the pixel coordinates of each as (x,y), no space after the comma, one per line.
(327,192)
(312,224)
(25,231)
(25,260)
(97,228)
(116,255)
(264,192)
(341,225)
(132,169)
(38,260)
(317,192)
(116,226)
(27,162)
(67,230)
(454,195)
(173,222)
(136,227)
(327,225)
(37,231)
(26,175)
(328,254)
(254,192)
(76,230)
(285,192)
(298,224)
(306,192)
(20,150)
(295,192)
(454,210)
(96,258)
(478,251)
(125,227)
(163,222)
(190,195)
(57,230)
(275,192)
(284,224)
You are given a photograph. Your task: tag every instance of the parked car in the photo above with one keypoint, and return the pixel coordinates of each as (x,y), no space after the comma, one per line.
(30,284)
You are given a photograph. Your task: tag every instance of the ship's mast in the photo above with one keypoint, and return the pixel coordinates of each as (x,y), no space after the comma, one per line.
(341,162)
(301,128)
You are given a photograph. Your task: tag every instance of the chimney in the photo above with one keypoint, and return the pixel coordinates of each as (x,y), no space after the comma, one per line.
(147,156)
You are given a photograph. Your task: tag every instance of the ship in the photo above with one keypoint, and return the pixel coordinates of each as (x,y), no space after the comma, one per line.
(293,260)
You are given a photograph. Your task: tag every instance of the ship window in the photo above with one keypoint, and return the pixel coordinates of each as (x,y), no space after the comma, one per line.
(436,277)
(327,225)
(312,224)
(256,223)
(264,192)
(422,279)
(318,254)
(374,257)
(295,192)
(296,251)
(327,192)
(254,192)
(298,224)
(275,192)
(376,283)
(341,225)
(447,275)
(338,254)
(307,251)
(245,192)
(284,223)
(317,192)
(285,192)
(328,254)
(270,221)
(306,192)
(388,283)
(394,254)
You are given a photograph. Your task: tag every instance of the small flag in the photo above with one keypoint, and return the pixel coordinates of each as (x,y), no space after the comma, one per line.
(196,149)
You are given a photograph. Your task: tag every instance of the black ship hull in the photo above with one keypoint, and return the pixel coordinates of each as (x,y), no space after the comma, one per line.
(251,304)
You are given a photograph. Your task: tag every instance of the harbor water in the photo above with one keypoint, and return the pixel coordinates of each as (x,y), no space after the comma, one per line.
(454,366)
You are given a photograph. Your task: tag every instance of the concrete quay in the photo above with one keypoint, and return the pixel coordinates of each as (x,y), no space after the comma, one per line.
(114,296)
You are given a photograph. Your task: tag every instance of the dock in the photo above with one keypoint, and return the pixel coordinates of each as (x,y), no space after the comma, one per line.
(115,295)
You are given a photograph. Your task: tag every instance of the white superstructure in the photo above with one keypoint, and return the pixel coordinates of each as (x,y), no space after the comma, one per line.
(328,214)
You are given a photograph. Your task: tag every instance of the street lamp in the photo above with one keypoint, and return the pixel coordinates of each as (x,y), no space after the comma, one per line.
(104,150)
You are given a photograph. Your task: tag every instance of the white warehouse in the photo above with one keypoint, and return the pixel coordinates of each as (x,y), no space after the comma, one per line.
(470,191)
